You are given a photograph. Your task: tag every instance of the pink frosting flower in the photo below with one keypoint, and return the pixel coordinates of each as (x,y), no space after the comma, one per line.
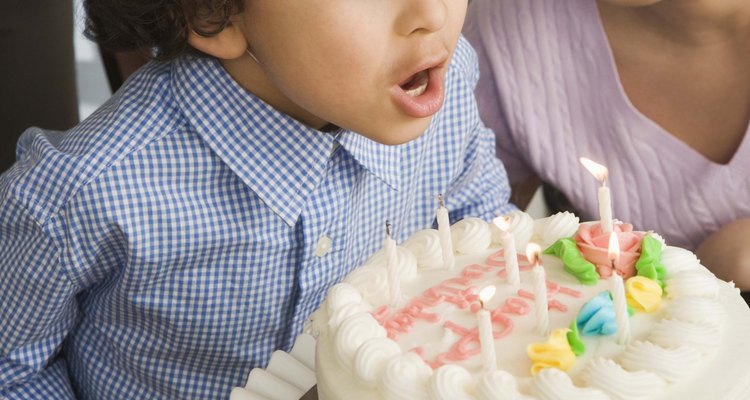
(594,246)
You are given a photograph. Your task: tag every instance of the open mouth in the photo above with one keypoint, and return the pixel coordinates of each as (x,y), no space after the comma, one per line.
(416,84)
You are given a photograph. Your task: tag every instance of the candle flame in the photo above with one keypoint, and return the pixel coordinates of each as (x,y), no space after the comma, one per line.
(532,253)
(487,293)
(502,222)
(599,171)
(614,248)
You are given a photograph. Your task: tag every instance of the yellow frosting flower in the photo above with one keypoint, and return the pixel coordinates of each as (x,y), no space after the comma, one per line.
(555,353)
(643,294)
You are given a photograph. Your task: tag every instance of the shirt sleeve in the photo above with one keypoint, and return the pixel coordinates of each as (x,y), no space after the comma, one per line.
(37,309)
(489,98)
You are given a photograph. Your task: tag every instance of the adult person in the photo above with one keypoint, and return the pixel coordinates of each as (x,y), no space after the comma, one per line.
(656,90)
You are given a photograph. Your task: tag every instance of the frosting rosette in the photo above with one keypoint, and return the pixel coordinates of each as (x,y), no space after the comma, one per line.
(405,378)
(594,245)
(696,283)
(673,333)
(553,384)
(471,235)
(520,224)
(558,226)
(451,382)
(498,385)
(597,316)
(554,353)
(677,259)
(405,260)
(354,331)
(643,294)
(370,359)
(372,282)
(698,310)
(672,364)
(612,379)
(425,245)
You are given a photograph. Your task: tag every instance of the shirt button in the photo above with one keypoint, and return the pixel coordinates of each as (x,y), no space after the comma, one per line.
(324,246)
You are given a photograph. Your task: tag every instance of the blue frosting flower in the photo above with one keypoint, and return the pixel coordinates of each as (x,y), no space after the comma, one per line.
(597,316)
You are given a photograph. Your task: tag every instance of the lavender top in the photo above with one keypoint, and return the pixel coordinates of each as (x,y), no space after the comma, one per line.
(549,88)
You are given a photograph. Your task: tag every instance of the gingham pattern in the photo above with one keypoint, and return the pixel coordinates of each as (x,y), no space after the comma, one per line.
(165,246)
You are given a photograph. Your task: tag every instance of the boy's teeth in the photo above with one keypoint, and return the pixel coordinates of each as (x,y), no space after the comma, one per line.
(417,90)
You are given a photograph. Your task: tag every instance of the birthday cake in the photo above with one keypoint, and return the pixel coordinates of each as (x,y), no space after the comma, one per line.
(620,315)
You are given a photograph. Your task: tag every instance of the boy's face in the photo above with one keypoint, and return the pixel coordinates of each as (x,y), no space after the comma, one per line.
(376,67)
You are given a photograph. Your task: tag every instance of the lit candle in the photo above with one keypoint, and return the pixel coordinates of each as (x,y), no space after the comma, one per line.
(618,294)
(540,289)
(391,265)
(509,250)
(444,231)
(600,172)
(486,338)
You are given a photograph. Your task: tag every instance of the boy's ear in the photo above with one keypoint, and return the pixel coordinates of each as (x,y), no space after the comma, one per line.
(228,44)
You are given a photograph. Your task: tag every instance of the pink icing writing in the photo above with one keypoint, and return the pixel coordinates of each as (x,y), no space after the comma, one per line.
(462,292)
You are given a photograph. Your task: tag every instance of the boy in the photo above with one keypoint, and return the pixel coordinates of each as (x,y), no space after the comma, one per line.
(174,239)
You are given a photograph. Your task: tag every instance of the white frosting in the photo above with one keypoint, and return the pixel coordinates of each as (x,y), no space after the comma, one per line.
(558,226)
(669,347)
(672,364)
(354,331)
(670,333)
(370,360)
(498,385)
(553,384)
(678,260)
(619,384)
(451,382)
(520,224)
(405,378)
(471,235)
(342,294)
(698,310)
(425,245)
(699,283)
(406,263)
(372,282)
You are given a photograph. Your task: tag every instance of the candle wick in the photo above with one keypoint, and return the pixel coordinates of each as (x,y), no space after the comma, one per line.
(387,228)
(441,203)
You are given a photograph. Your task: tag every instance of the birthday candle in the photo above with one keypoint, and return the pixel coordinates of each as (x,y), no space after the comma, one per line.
(486,337)
(394,282)
(540,289)
(604,198)
(618,294)
(444,231)
(509,251)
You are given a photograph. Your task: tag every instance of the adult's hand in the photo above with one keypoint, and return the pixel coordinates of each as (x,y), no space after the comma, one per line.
(726,253)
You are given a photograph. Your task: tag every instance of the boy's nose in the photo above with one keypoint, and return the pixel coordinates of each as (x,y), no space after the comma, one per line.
(422,15)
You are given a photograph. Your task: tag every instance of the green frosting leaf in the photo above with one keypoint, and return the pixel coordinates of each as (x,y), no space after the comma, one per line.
(574,339)
(649,263)
(573,260)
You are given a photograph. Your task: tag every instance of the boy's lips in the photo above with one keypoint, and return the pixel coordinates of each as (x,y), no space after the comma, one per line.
(422,93)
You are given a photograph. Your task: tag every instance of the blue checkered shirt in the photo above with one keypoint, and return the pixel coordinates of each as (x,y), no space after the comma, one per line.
(166,245)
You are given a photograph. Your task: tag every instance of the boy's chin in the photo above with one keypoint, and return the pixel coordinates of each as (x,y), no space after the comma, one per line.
(399,133)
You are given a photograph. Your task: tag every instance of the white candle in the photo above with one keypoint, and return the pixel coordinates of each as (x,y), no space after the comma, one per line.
(618,294)
(444,231)
(540,289)
(509,251)
(604,198)
(486,337)
(391,264)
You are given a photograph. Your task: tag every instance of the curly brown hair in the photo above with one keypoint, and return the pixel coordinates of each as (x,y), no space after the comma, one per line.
(157,27)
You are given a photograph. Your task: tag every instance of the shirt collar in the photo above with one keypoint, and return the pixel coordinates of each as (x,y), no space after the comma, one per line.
(279,158)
